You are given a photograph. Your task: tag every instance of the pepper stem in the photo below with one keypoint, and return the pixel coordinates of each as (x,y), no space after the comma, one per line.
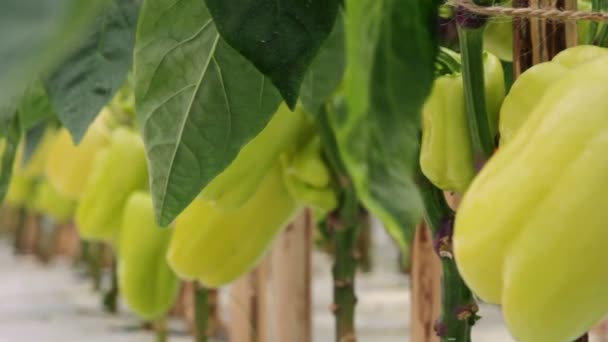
(201,312)
(471,47)
(160,327)
(447,62)
(95,264)
(110,298)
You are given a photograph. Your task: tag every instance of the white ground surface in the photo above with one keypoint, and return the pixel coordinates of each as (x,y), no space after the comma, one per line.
(53,304)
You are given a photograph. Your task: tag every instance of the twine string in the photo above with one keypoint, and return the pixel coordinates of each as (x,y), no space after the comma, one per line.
(529,12)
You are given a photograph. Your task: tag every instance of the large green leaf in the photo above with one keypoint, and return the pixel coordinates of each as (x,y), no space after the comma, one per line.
(391,48)
(36,34)
(88,78)
(198,100)
(326,71)
(280,37)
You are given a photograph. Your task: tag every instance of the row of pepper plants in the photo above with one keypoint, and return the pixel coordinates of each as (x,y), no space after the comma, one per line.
(187,133)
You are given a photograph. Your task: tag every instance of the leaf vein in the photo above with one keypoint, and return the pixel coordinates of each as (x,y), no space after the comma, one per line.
(185,119)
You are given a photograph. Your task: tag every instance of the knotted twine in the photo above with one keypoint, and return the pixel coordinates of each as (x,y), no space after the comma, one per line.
(529,12)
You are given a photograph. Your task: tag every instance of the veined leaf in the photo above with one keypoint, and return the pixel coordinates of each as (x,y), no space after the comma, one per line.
(88,78)
(198,101)
(391,48)
(326,71)
(280,37)
(36,34)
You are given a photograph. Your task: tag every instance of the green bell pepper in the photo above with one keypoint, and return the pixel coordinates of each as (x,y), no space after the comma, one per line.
(118,171)
(530,87)
(145,280)
(446,157)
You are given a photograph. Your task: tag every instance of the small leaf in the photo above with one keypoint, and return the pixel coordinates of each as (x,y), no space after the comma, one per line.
(281,38)
(34,106)
(326,71)
(36,34)
(391,48)
(88,78)
(198,101)
(12,133)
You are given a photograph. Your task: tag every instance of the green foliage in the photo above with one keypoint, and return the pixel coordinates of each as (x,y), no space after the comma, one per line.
(391,49)
(209,75)
(88,78)
(36,34)
(198,101)
(326,71)
(12,134)
(34,106)
(281,38)
(31,139)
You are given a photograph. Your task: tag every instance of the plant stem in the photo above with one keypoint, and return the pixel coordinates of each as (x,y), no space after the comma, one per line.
(84,255)
(201,312)
(458,307)
(160,327)
(95,264)
(470,33)
(364,245)
(344,225)
(602,39)
(595,7)
(110,298)
(19,231)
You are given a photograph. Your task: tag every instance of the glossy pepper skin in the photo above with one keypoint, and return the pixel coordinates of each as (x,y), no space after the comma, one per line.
(531,86)
(446,154)
(68,166)
(256,158)
(217,246)
(145,280)
(531,230)
(119,171)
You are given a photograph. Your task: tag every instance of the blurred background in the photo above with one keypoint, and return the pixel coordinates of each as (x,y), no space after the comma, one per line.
(50,292)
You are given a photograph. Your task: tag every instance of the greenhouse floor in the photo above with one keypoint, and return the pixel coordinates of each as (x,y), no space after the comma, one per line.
(53,304)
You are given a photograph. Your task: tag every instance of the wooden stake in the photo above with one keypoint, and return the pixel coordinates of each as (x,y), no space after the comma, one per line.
(538,40)
(425,288)
(291,277)
(522,41)
(248,314)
